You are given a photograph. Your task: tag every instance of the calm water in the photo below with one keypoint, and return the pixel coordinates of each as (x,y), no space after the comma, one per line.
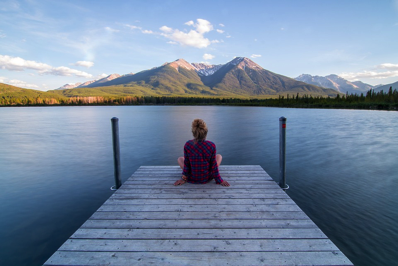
(56,168)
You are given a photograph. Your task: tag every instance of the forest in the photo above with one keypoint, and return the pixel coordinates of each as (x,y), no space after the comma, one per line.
(371,100)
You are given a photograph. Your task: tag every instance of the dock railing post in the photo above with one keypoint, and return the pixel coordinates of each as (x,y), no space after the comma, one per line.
(282,153)
(116,152)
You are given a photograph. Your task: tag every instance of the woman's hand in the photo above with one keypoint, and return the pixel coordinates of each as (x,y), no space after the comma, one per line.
(225,184)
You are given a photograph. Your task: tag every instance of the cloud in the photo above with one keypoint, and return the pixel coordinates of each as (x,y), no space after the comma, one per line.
(132,27)
(65,71)
(103,75)
(87,64)
(2,79)
(220,31)
(255,55)
(194,38)
(228,36)
(22,84)
(388,66)
(208,56)
(110,29)
(376,73)
(19,64)
(147,32)
(221,25)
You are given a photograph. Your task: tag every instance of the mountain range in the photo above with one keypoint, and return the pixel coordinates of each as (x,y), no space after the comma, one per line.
(240,77)
(337,83)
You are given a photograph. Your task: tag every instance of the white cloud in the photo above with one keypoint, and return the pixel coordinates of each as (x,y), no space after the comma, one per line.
(376,73)
(87,64)
(103,75)
(147,32)
(110,29)
(221,25)
(19,64)
(2,79)
(388,66)
(255,55)
(220,31)
(228,36)
(194,38)
(22,84)
(208,56)
(171,42)
(369,74)
(132,27)
(65,71)
(166,29)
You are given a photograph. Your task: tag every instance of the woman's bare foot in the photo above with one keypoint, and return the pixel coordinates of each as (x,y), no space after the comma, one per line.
(179,182)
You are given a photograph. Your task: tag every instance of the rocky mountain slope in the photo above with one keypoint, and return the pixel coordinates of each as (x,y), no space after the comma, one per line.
(335,82)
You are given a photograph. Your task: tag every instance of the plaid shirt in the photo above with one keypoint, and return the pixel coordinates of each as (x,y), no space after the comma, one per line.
(200,165)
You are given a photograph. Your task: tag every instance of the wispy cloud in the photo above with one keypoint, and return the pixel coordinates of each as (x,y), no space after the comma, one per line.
(87,64)
(109,29)
(220,31)
(374,73)
(19,64)
(255,55)
(208,56)
(132,27)
(221,25)
(194,38)
(147,32)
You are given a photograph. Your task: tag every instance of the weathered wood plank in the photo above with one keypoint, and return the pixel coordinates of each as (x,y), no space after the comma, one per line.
(241,245)
(203,189)
(197,208)
(200,186)
(199,258)
(188,201)
(197,224)
(258,233)
(132,195)
(266,215)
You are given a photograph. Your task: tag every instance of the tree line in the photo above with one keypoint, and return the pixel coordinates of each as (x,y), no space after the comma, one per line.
(371,100)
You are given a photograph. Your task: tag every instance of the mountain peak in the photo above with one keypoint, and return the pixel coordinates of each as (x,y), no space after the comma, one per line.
(181,63)
(243,62)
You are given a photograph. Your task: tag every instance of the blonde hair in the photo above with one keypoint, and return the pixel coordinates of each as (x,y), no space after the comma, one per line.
(199,129)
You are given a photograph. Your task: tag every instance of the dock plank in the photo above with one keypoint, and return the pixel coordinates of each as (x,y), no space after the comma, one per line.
(149,221)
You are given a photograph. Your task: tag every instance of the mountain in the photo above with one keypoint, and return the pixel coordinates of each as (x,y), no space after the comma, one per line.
(240,77)
(386,88)
(15,95)
(91,83)
(335,82)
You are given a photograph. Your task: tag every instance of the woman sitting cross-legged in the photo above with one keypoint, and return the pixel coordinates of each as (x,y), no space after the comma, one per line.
(200,162)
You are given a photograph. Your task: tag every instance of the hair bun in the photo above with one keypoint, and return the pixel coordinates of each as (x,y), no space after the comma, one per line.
(199,129)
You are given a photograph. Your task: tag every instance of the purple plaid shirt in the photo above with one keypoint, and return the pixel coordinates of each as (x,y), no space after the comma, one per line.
(200,165)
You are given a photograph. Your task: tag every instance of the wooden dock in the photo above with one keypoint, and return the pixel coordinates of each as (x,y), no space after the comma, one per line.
(148,221)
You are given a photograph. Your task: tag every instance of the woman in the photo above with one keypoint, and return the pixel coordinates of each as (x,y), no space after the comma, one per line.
(200,162)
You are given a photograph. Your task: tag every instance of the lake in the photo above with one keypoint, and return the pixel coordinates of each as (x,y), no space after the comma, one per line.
(56,168)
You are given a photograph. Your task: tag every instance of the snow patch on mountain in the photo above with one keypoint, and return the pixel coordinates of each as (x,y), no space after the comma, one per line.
(206,70)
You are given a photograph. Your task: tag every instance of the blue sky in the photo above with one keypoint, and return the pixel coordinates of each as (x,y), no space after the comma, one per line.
(46,44)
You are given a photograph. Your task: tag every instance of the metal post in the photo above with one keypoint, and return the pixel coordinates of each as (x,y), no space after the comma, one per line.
(282,153)
(116,152)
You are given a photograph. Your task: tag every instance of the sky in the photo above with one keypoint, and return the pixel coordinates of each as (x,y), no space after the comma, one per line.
(45,44)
